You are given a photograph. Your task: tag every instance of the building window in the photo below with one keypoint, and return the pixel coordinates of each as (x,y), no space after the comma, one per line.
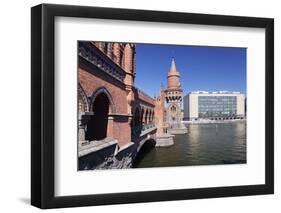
(173,109)
(216,106)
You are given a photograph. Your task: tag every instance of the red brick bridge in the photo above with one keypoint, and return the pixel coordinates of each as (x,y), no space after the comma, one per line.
(115,118)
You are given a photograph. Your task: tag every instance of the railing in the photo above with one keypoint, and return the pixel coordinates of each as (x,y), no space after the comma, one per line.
(93,55)
(141,130)
(148,126)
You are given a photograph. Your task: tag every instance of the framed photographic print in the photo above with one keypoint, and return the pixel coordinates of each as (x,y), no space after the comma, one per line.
(139,106)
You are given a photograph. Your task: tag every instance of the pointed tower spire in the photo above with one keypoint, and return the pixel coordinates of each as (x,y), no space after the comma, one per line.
(173,69)
(173,76)
(173,66)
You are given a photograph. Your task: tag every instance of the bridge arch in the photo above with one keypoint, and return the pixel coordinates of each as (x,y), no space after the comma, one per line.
(143,149)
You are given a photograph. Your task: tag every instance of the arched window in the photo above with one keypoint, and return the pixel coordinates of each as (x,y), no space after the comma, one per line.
(173,109)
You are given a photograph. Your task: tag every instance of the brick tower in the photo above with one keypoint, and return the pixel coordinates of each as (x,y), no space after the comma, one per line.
(174,101)
(173,96)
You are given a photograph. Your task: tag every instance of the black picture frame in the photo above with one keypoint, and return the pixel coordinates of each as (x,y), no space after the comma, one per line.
(43,105)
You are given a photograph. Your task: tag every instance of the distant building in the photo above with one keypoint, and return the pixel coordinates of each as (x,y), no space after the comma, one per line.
(219,105)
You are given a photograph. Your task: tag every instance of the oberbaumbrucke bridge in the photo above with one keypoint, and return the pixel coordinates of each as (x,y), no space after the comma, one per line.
(115,118)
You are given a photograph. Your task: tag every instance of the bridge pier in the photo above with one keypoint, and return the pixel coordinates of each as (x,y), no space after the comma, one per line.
(165,140)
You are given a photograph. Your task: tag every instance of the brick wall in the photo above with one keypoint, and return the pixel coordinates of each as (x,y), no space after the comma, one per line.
(121,127)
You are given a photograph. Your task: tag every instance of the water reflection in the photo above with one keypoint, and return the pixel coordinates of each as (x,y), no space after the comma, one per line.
(205,144)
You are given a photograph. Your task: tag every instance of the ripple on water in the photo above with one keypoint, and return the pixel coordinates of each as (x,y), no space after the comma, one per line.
(203,145)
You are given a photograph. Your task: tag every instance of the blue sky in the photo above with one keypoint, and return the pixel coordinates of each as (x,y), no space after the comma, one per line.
(201,68)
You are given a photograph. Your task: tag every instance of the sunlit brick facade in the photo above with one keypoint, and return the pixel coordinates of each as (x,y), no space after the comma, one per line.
(109,104)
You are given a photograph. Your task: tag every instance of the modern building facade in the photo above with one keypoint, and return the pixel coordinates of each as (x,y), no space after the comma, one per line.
(220,105)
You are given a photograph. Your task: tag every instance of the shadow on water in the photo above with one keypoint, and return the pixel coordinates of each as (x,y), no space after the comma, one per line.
(145,149)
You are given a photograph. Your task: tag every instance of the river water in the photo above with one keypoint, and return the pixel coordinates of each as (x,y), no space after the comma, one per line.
(205,144)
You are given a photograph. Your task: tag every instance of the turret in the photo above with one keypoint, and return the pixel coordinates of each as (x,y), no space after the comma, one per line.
(173,77)
(129,55)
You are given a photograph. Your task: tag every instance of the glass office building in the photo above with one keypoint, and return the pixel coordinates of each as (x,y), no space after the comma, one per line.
(214,105)
(217,106)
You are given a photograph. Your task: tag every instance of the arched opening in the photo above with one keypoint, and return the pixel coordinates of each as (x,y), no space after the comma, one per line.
(137,117)
(148,146)
(173,109)
(136,127)
(145,116)
(149,117)
(97,125)
(142,116)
